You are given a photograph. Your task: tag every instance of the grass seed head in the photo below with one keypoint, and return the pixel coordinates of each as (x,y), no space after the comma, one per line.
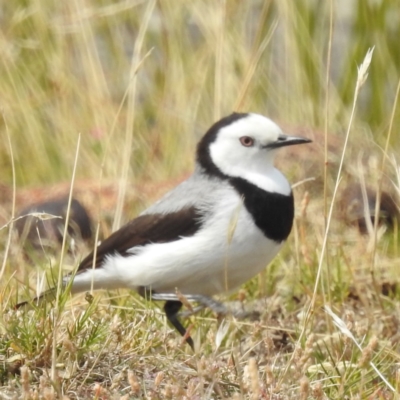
(368,352)
(317,391)
(304,388)
(133,382)
(254,378)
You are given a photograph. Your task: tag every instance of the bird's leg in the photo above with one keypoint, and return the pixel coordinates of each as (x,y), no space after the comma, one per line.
(219,308)
(173,304)
(210,303)
(205,301)
(171,309)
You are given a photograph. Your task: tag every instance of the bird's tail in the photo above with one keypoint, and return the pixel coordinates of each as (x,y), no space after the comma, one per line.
(48,295)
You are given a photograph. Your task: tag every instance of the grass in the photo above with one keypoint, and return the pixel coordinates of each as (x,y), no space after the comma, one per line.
(117,94)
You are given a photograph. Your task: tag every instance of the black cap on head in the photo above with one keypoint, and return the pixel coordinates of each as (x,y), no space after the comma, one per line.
(203,156)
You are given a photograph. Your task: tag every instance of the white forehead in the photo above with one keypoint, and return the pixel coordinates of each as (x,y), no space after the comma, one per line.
(254,125)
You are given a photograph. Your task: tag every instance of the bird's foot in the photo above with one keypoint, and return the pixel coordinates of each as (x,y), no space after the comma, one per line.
(217,307)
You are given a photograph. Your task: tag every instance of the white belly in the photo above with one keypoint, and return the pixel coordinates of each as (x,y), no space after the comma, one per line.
(228,251)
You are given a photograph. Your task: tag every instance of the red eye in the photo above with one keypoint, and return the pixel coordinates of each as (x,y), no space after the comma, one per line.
(246,141)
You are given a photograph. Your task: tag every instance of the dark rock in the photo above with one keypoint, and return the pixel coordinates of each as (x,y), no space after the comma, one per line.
(39,230)
(352,207)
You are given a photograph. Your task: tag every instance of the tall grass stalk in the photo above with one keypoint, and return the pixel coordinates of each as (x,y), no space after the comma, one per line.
(327,103)
(252,66)
(57,311)
(131,109)
(14,191)
(362,76)
(219,56)
(373,245)
(326,127)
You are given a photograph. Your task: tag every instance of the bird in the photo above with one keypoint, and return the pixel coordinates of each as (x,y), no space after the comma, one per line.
(211,233)
(357,203)
(36,231)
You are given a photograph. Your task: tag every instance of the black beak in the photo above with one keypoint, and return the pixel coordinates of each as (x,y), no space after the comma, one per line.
(285,140)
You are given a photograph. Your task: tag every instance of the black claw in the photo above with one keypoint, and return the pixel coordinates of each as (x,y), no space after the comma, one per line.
(171,309)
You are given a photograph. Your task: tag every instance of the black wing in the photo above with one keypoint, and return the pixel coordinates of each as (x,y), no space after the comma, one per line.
(145,229)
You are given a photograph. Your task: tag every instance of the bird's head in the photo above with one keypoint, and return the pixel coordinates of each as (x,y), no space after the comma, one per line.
(242,143)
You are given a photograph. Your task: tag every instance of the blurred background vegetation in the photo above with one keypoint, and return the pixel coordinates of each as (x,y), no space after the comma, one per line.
(139,81)
(66,69)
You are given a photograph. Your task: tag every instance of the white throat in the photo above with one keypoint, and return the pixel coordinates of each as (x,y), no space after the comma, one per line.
(259,171)
(274,181)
